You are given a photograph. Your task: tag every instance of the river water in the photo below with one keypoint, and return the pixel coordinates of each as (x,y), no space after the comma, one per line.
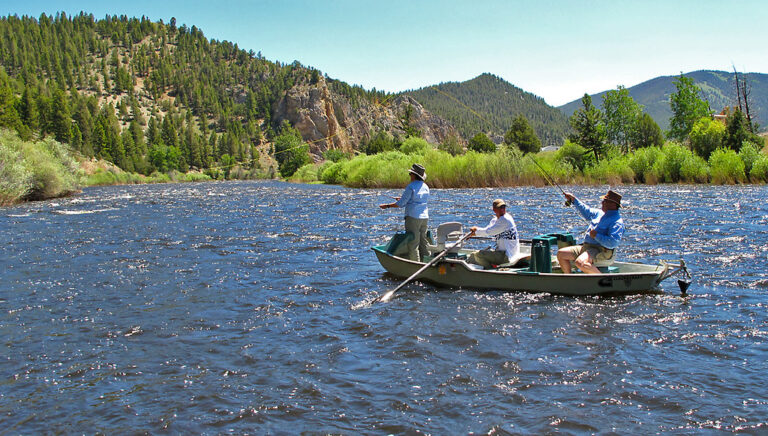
(247,307)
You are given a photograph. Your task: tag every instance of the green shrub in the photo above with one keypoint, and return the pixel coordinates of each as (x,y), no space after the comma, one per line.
(334,174)
(481,143)
(54,171)
(305,174)
(759,172)
(706,136)
(694,169)
(726,167)
(572,154)
(642,162)
(668,167)
(451,145)
(334,155)
(15,178)
(748,154)
(612,171)
(414,145)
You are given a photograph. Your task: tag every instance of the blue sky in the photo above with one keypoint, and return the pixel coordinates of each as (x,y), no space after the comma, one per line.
(557,50)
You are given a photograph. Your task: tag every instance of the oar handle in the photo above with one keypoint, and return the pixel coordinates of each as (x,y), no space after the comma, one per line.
(388,296)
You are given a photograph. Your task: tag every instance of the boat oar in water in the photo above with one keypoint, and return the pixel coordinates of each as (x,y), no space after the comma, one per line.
(388,296)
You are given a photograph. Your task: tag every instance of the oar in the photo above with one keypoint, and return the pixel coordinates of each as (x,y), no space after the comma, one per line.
(388,296)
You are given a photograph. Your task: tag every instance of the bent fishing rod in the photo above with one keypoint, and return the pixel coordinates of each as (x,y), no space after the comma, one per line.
(551,182)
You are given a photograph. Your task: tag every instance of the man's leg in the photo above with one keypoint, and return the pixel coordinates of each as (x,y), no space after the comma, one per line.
(566,255)
(412,227)
(586,263)
(488,258)
(423,250)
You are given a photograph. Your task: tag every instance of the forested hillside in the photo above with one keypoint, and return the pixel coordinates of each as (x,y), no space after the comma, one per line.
(489,104)
(718,88)
(145,95)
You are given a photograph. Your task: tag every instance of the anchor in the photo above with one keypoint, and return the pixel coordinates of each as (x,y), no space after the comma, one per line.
(685,282)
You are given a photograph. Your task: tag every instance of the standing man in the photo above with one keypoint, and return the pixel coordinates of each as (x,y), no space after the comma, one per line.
(601,239)
(503,229)
(414,200)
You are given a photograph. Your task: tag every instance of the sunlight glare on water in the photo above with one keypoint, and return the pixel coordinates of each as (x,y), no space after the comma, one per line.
(249,307)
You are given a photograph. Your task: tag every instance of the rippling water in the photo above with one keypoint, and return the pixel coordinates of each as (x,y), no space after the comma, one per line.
(246,307)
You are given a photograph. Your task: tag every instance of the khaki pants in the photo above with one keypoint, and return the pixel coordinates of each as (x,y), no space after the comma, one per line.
(417,247)
(488,258)
(598,255)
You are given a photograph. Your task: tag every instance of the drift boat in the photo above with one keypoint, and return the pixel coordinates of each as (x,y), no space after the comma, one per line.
(535,270)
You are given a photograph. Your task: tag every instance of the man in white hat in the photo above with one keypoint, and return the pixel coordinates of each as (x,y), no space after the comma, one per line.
(414,200)
(503,229)
(606,227)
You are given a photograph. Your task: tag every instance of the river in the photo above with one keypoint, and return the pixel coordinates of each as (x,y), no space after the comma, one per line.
(247,307)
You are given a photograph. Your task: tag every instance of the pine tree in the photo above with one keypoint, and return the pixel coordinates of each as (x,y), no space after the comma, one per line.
(522,136)
(588,124)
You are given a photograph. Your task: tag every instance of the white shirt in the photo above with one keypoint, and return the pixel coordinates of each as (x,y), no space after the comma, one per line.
(504,231)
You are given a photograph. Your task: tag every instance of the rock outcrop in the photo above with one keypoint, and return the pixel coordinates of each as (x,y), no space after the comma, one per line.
(327,120)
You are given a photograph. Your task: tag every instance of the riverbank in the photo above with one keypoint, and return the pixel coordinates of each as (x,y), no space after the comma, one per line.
(571,164)
(48,169)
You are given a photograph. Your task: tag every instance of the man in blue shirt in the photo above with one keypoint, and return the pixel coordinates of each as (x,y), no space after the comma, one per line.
(414,200)
(601,239)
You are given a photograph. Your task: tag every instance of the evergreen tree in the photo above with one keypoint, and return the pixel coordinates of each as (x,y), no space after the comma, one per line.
(9,116)
(736,130)
(291,152)
(481,143)
(589,127)
(522,136)
(61,118)
(648,133)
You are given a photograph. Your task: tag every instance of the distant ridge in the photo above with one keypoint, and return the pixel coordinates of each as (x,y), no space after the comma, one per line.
(488,104)
(718,88)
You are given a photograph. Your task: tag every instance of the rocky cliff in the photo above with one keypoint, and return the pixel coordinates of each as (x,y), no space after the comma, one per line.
(328,120)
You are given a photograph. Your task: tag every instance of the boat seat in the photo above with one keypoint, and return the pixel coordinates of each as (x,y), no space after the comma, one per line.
(448,235)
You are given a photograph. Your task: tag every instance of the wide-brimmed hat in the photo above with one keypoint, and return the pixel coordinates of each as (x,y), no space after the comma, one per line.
(497,203)
(613,197)
(418,171)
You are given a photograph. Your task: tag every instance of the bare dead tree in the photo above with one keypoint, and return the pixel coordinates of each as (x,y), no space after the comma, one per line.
(738,88)
(746,90)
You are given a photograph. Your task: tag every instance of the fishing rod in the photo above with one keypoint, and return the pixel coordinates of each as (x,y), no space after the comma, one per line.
(551,182)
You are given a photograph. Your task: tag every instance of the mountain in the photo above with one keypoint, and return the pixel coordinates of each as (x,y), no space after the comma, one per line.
(488,104)
(151,96)
(718,88)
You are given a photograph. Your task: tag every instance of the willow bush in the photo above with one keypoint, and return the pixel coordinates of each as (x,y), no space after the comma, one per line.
(35,170)
(613,172)
(642,162)
(726,167)
(508,166)
(759,171)
(15,178)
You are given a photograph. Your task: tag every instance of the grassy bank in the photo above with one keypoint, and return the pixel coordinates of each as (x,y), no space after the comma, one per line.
(38,170)
(671,163)
(35,170)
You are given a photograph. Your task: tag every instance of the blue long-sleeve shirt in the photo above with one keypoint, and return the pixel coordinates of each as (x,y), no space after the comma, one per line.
(609,225)
(414,199)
